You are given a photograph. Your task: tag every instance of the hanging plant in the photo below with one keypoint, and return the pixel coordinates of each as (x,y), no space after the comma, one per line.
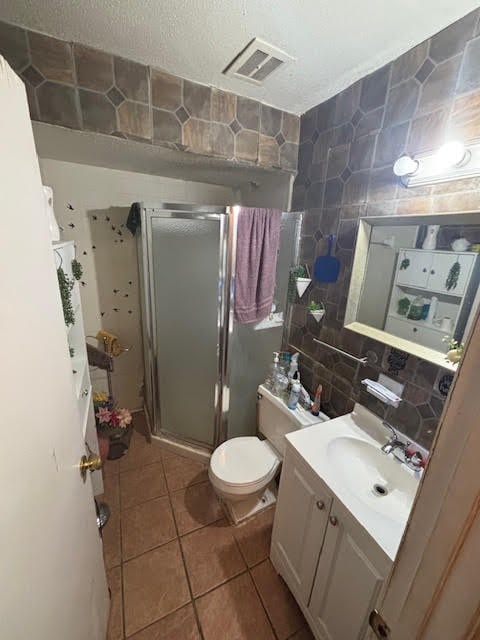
(66,285)
(294,273)
(405,263)
(77,269)
(452,278)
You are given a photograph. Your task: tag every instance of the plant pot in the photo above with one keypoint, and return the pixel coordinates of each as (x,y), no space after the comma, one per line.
(302,285)
(103,446)
(318,315)
(454,356)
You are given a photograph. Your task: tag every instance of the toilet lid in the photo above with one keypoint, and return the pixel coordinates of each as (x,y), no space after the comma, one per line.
(243,460)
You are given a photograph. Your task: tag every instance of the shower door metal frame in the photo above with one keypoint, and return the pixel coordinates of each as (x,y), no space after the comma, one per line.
(226,258)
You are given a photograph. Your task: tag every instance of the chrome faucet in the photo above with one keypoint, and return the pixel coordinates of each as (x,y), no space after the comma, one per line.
(394,442)
(413,460)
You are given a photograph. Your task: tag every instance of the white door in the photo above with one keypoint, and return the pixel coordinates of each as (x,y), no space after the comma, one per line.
(413,268)
(434,590)
(301,519)
(350,575)
(53,580)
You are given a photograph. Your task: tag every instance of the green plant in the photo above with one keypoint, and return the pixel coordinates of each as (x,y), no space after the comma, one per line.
(452,278)
(403,306)
(77,269)
(66,285)
(405,263)
(315,306)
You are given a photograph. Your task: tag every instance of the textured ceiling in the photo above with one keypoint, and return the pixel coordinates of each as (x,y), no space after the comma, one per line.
(334,42)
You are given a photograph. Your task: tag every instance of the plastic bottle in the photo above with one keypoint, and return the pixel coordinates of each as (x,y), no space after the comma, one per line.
(274,370)
(316,402)
(293,366)
(294,394)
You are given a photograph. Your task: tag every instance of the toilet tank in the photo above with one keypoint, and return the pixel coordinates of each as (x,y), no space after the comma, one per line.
(275,419)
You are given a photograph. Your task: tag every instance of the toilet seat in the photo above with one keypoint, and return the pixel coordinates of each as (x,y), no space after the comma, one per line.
(243,462)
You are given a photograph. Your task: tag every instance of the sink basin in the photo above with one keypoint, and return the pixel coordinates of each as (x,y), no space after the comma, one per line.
(377,480)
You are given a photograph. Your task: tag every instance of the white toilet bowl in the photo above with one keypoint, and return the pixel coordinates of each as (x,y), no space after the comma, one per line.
(241,470)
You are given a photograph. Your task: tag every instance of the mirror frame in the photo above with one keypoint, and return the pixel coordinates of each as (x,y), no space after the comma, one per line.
(358,274)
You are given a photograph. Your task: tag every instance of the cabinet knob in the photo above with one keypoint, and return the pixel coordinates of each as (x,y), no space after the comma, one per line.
(432,272)
(320,505)
(424,270)
(415,329)
(85,392)
(333,520)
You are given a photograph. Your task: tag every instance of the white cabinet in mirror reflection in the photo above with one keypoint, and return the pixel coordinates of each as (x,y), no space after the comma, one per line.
(421,275)
(411,298)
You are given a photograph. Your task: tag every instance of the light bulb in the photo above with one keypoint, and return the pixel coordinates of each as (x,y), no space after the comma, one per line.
(451,154)
(405,166)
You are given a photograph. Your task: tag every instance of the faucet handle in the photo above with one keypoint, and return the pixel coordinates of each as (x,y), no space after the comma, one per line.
(414,459)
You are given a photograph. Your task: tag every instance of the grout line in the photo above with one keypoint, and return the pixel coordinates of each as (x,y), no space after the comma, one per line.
(195,612)
(262,603)
(122,589)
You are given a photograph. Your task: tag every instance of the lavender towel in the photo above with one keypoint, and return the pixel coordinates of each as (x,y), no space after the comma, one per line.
(258,236)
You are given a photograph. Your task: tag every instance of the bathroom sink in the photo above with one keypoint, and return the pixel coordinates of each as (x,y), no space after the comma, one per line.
(377,480)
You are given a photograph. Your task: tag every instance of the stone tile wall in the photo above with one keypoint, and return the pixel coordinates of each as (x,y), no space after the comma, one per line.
(75,86)
(348,146)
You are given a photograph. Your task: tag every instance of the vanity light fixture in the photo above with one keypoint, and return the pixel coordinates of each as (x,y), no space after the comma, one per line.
(452,154)
(452,161)
(405,166)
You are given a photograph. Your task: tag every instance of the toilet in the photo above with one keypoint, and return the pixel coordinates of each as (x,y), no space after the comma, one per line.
(242,470)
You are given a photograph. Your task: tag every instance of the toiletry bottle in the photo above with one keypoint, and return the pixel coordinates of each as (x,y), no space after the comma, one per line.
(316,402)
(294,394)
(293,366)
(274,370)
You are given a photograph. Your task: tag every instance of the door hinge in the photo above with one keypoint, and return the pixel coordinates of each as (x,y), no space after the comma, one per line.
(378,624)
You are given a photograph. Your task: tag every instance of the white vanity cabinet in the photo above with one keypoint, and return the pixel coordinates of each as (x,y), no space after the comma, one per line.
(333,567)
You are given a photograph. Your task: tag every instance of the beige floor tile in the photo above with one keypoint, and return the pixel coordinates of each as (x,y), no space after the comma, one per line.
(254,537)
(115,622)
(303,634)
(182,472)
(147,526)
(195,507)
(154,585)
(211,556)
(180,625)
(140,453)
(283,611)
(111,541)
(110,468)
(234,612)
(111,492)
(142,484)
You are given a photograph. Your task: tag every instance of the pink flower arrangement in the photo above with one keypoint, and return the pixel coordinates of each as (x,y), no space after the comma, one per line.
(113,417)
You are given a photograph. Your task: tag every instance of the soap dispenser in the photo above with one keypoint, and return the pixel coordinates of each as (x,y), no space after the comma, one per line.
(273,372)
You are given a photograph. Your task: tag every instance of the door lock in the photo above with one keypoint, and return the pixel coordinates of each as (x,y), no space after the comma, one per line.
(91,463)
(378,624)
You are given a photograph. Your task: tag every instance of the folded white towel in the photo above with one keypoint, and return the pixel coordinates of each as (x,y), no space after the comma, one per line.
(381,392)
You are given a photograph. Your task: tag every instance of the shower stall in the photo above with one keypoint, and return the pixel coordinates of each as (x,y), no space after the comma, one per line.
(202,368)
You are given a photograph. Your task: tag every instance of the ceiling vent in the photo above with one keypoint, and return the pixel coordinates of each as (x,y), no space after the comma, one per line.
(257,62)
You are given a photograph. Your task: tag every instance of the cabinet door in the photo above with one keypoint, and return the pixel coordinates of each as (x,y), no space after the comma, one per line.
(420,333)
(349,577)
(440,268)
(417,271)
(301,519)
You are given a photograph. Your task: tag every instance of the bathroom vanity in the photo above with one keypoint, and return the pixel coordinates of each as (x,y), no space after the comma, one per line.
(342,508)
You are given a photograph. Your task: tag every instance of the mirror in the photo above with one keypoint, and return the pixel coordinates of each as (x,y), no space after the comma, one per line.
(415,282)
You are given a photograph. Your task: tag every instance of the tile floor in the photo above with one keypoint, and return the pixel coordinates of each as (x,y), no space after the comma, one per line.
(177,569)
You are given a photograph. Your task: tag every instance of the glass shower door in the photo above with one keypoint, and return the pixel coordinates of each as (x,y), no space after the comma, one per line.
(187,280)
